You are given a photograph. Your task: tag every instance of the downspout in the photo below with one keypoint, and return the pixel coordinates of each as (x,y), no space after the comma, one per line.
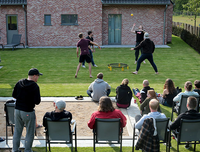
(25,25)
(164,24)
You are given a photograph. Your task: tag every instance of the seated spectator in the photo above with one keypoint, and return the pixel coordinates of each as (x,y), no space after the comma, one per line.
(58,113)
(188,92)
(169,93)
(144,106)
(153,105)
(190,114)
(124,94)
(98,88)
(143,93)
(106,111)
(197,86)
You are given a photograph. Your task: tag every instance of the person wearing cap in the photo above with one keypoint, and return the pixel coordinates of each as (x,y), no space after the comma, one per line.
(147,53)
(27,95)
(58,113)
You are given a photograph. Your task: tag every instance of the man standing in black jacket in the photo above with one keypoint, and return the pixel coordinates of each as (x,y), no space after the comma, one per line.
(27,95)
(147,53)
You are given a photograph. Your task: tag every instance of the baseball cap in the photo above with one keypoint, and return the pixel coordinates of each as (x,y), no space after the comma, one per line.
(146,35)
(60,104)
(34,71)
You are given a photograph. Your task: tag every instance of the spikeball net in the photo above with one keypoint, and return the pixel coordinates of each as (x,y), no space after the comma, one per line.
(118,65)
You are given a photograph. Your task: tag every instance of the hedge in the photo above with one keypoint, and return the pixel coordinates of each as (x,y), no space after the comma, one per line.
(186,36)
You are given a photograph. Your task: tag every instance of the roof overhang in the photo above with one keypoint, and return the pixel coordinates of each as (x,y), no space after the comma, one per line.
(136,2)
(13,2)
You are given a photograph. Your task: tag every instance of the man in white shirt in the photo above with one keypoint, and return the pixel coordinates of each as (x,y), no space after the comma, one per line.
(153,105)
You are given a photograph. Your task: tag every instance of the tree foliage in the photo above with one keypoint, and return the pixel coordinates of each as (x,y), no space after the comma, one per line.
(193,6)
(179,4)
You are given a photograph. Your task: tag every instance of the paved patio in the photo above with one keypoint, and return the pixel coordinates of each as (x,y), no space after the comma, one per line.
(130,114)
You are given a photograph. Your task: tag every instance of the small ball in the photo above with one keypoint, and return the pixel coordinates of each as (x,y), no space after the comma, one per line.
(131,14)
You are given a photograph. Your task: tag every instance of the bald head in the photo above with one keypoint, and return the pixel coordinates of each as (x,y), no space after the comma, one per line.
(153,104)
(146,83)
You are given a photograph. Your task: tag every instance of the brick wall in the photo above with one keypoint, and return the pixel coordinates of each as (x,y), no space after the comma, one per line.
(169,23)
(11,10)
(58,35)
(151,17)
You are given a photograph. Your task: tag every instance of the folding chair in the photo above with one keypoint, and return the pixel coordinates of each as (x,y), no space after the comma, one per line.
(183,105)
(16,40)
(60,132)
(9,108)
(162,131)
(107,131)
(189,131)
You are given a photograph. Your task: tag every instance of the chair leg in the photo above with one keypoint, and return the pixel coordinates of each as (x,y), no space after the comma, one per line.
(75,140)
(93,141)
(177,147)
(121,143)
(6,135)
(133,139)
(195,146)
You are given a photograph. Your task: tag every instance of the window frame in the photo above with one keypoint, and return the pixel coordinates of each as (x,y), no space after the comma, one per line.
(69,24)
(45,24)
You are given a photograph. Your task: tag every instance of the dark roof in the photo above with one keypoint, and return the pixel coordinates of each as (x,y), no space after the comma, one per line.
(137,2)
(13,2)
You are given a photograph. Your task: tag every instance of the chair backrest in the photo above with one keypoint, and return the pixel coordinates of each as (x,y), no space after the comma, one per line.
(59,130)
(162,125)
(16,39)
(107,129)
(10,112)
(189,130)
(183,105)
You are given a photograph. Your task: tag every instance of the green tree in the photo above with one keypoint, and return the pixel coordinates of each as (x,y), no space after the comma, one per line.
(179,4)
(193,6)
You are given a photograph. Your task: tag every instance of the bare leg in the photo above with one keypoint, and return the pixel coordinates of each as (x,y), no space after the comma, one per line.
(90,70)
(78,67)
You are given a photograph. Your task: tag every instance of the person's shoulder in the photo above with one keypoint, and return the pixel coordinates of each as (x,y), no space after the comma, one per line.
(163,115)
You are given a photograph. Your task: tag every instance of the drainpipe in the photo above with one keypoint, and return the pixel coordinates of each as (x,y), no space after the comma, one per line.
(25,26)
(164,24)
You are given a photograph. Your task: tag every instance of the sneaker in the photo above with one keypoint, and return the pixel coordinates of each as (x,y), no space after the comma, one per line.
(83,66)
(95,65)
(144,62)
(135,62)
(188,145)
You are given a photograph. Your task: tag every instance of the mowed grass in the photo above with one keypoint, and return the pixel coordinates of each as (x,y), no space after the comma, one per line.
(186,19)
(180,63)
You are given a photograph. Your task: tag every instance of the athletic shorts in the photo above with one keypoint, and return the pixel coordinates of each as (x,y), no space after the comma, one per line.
(85,57)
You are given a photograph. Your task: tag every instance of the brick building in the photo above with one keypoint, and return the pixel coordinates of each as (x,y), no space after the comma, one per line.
(57,23)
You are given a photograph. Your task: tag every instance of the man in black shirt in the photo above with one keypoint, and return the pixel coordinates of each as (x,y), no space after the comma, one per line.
(58,113)
(139,38)
(27,95)
(90,37)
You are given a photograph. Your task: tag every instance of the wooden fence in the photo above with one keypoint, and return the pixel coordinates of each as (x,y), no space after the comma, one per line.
(188,27)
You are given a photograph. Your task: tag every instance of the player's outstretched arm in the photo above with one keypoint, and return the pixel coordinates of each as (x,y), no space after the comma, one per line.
(95,44)
(132,30)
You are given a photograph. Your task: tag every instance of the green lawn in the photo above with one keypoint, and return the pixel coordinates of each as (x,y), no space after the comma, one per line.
(180,63)
(186,19)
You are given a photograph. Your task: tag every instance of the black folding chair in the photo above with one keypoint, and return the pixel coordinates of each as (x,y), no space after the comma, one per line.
(107,131)
(189,132)
(60,132)
(162,131)
(183,105)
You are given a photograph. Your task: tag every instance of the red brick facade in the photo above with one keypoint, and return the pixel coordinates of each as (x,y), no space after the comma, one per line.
(94,18)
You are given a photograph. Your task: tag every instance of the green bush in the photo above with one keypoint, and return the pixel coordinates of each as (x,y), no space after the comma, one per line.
(186,36)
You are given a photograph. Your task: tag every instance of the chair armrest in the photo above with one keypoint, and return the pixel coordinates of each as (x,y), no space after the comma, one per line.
(74,127)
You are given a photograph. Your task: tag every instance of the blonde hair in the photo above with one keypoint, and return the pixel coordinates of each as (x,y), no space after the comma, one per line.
(153,104)
(125,82)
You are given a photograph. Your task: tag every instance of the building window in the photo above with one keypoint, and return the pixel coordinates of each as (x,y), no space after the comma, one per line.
(69,19)
(47,19)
